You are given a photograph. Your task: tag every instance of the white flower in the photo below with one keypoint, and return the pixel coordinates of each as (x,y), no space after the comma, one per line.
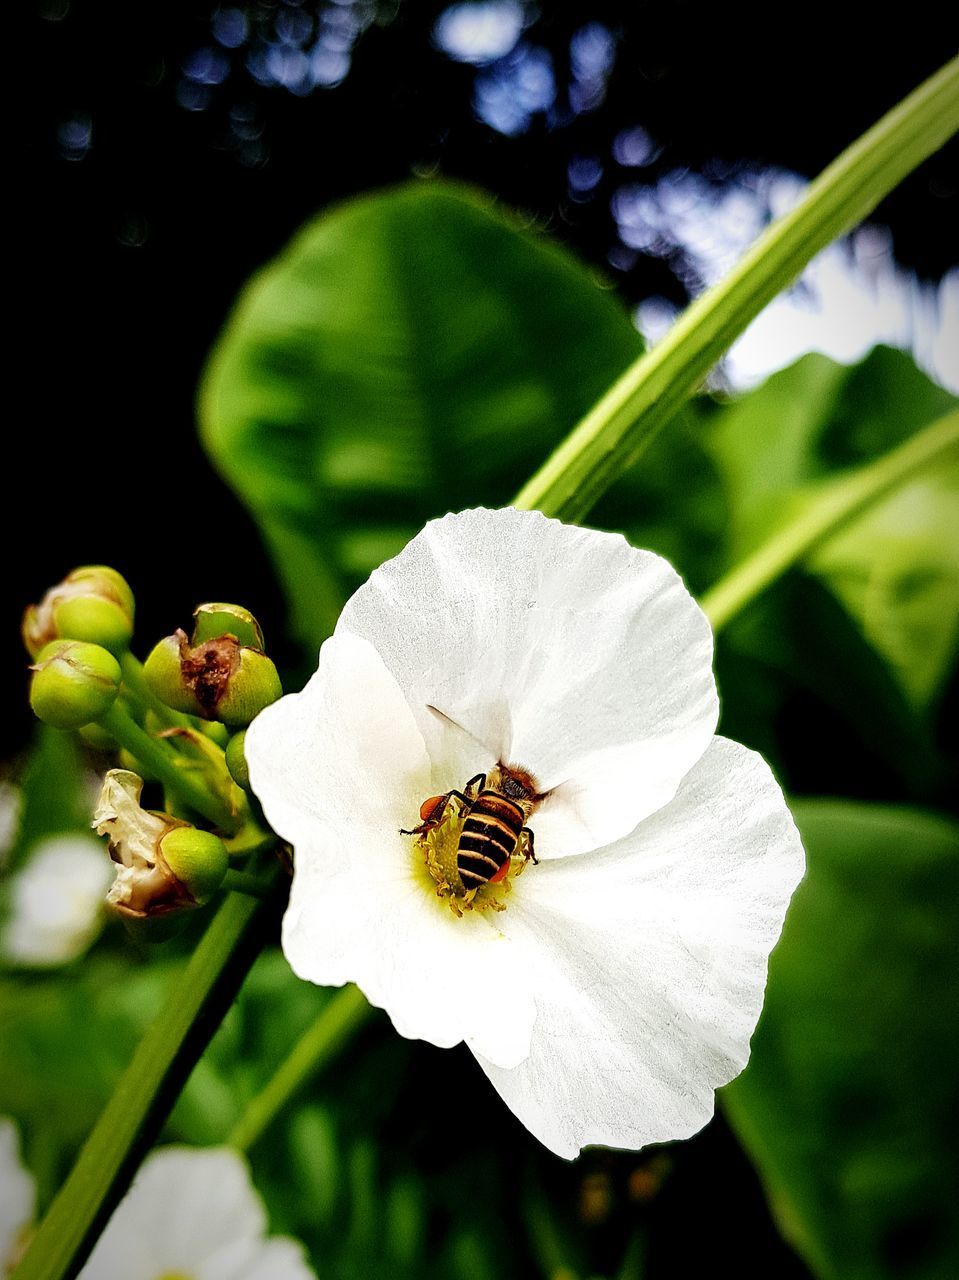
(622,982)
(193,1213)
(56,902)
(17,1198)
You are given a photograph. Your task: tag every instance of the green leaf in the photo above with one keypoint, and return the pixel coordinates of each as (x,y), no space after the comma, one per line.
(896,567)
(410,353)
(849,1101)
(56,795)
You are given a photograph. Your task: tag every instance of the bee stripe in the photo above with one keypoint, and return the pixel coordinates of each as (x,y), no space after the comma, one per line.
(481,851)
(478,859)
(483,833)
(499,806)
(472,875)
(489,821)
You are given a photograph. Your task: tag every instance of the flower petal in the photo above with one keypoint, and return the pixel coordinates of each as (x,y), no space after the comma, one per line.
(56,901)
(560,649)
(17,1194)
(346,746)
(185,1206)
(649,961)
(339,768)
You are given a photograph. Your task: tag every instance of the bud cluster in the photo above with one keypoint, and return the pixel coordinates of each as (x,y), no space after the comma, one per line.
(170,721)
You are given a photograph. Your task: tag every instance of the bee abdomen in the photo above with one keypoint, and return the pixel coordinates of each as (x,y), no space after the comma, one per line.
(488,839)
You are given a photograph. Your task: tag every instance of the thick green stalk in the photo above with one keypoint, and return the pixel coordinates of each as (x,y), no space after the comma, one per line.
(341,1017)
(836,506)
(618,428)
(195,1005)
(164,764)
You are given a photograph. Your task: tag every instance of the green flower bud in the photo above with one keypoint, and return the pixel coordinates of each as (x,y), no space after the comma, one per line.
(216,732)
(236,760)
(253,686)
(198,859)
(164,865)
(93,603)
(73,683)
(214,620)
(219,679)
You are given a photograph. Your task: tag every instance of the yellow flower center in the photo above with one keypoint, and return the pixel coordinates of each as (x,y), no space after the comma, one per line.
(437,849)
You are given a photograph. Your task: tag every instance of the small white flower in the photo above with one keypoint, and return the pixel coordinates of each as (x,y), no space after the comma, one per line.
(55,907)
(621,984)
(193,1213)
(17,1198)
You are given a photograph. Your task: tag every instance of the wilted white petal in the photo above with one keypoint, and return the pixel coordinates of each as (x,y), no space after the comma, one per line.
(192,1212)
(339,768)
(56,902)
(563,650)
(649,961)
(17,1196)
(133,832)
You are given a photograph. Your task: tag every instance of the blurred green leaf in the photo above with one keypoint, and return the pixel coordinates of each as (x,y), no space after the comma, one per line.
(897,571)
(410,353)
(66,1036)
(849,1101)
(57,795)
(795,672)
(896,568)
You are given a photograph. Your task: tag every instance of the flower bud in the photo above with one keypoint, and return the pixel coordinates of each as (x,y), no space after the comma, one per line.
(217,679)
(198,859)
(73,683)
(164,865)
(236,760)
(93,603)
(210,621)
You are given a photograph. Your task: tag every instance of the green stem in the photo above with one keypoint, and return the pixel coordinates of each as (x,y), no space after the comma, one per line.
(136,682)
(197,1000)
(621,425)
(341,1017)
(164,764)
(844,499)
(243,882)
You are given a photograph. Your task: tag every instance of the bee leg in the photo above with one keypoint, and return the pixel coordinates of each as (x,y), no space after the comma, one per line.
(435,818)
(475,785)
(529,851)
(418,831)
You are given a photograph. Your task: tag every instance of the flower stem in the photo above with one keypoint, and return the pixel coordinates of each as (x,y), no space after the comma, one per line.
(135,681)
(196,1002)
(843,500)
(244,882)
(341,1017)
(625,420)
(165,765)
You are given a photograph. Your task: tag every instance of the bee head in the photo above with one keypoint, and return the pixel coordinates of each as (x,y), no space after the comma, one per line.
(515,782)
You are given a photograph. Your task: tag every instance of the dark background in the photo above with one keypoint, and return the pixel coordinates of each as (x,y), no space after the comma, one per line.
(127,253)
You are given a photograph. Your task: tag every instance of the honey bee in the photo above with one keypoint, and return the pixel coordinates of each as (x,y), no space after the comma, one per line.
(497,806)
